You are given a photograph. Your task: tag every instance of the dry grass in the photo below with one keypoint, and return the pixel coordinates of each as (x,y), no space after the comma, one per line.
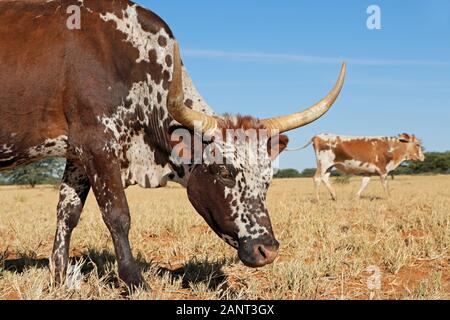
(326,248)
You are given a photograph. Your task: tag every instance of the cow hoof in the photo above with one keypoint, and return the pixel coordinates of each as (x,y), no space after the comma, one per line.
(136,284)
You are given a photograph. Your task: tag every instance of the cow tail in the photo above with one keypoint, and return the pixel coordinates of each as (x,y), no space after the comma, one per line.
(302,148)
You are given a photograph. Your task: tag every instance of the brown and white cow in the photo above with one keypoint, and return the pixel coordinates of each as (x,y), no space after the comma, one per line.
(368,156)
(108,98)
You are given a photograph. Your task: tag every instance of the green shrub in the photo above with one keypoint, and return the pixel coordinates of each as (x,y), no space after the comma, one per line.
(343,179)
(47,171)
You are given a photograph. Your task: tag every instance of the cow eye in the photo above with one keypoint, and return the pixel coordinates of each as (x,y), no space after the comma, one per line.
(224,173)
(226,176)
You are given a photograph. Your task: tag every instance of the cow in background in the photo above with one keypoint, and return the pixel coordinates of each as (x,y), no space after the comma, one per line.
(367,156)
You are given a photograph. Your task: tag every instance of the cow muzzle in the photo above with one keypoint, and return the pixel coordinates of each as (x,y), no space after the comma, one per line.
(255,254)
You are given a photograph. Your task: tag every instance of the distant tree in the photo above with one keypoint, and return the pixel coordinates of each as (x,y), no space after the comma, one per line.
(287,173)
(47,171)
(308,173)
(435,163)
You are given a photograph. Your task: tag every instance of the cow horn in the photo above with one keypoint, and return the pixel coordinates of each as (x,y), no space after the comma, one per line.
(300,119)
(175,100)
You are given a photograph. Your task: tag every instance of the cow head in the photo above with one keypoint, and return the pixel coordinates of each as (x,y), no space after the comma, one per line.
(414,150)
(228,186)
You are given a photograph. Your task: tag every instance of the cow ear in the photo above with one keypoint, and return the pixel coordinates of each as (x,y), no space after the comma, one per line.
(404,137)
(277,146)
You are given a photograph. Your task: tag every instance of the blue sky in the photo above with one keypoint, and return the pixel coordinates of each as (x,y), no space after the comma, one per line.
(267,58)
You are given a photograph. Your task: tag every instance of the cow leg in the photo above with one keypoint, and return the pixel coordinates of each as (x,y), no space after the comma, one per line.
(317,183)
(364,184)
(326,181)
(104,172)
(384,182)
(72,196)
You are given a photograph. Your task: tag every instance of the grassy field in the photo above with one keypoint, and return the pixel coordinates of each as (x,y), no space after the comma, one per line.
(328,250)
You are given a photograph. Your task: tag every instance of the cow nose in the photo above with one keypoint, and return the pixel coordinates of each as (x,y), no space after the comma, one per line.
(266,254)
(259,254)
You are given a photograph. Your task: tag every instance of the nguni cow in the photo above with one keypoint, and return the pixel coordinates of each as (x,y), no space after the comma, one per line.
(368,156)
(108,97)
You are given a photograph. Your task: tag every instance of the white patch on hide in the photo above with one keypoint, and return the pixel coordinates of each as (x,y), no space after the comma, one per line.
(141,158)
(144,171)
(142,40)
(326,159)
(53,147)
(6,152)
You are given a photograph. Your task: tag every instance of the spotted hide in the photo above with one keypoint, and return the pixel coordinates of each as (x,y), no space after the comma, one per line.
(109,97)
(367,156)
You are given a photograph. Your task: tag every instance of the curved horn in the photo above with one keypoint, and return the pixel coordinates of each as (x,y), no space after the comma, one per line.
(175,100)
(300,119)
